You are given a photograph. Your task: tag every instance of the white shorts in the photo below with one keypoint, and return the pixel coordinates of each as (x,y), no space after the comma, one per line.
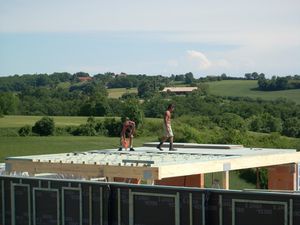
(168,132)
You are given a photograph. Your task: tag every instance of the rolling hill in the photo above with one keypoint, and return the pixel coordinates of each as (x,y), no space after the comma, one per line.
(246,88)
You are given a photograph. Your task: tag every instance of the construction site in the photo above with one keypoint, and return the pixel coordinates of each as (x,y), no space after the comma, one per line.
(148,186)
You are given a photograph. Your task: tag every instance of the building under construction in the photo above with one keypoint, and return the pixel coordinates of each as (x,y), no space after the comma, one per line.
(184,167)
(111,187)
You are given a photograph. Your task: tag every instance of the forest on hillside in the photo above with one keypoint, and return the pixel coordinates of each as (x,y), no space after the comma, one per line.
(64,94)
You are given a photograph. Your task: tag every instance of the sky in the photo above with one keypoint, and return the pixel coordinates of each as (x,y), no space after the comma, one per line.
(150,37)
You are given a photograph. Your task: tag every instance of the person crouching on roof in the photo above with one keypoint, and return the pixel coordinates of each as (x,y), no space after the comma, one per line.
(127,133)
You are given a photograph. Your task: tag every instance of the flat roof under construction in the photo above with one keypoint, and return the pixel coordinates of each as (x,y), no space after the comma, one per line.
(147,162)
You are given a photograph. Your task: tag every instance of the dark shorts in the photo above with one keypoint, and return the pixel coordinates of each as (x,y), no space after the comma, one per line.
(127,134)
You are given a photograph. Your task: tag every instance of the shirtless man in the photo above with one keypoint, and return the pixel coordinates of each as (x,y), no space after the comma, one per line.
(168,133)
(127,132)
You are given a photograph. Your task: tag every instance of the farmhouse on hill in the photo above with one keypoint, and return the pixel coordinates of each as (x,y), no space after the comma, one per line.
(179,90)
(82,79)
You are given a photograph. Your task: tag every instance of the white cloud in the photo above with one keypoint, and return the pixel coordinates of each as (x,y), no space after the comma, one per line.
(155,15)
(198,63)
(199,59)
(266,33)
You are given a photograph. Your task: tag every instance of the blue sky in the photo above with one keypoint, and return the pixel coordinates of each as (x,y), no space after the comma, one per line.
(150,37)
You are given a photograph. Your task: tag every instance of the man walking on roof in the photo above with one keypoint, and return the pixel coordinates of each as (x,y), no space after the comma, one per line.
(168,133)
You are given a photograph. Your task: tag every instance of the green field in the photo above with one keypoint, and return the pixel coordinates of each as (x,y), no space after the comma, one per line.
(112,92)
(118,92)
(64,84)
(243,88)
(60,121)
(19,146)
(13,146)
(239,88)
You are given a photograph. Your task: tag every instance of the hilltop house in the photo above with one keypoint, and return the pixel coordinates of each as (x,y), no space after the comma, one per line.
(179,90)
(82,79)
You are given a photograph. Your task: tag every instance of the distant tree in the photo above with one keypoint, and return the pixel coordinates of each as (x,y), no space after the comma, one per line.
(203,88)
(180,77)
(60,77)
(44,127)
(109,74)
(87,109)
(291,127)
(275,83)
(271,123)
(8,103)
(113,127)
(105,78)
(121,82)
(255,123)
(115,107)
(155,107)
(248,76)
(230,121)
(81,74)
(261,75)
(189,78)
(101,107)
(172,77)
(223,76)
(129,95)
(281,83)
(24,131)
(43,80)
(254,75)
(133,111)
(262,83)
(146,89)
(88,129)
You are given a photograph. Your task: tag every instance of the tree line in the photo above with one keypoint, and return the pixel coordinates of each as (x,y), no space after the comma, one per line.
(38,96)
(279,83)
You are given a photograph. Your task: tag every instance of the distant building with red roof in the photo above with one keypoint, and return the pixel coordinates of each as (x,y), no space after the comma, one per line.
(82,79)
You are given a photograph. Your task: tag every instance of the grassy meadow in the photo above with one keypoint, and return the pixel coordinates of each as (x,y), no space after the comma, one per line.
(33,145)
(15,145)
(240,88)
(60,121)
(112,92)
(244,88)
(118,92)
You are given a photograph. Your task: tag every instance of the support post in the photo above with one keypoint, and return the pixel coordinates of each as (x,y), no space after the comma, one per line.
(110,179)
(225,180)
(257,179)
(150,181)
